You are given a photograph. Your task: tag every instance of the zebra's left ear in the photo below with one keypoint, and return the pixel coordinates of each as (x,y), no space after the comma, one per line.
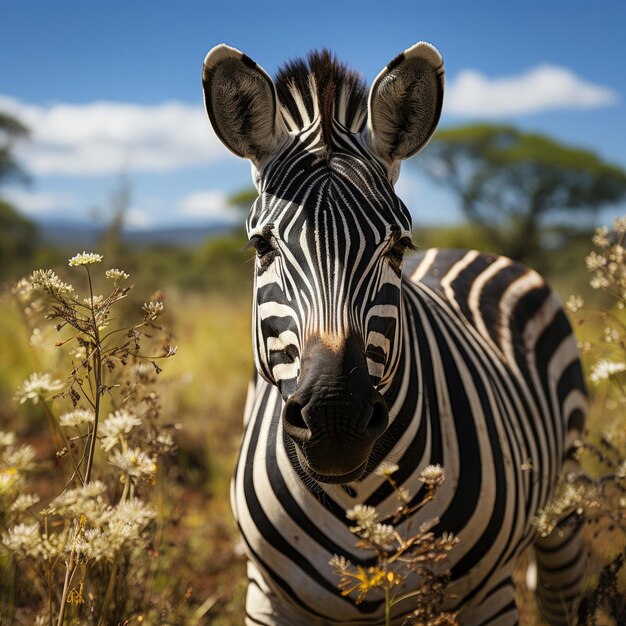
(405,103)
(242,104)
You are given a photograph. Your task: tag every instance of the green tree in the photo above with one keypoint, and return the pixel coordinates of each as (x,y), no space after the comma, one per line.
(11,130)
(243,199)
(17,234)
(518,186)
(17,238)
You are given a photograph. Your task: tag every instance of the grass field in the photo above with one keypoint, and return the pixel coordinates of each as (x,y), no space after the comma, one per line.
(197,573)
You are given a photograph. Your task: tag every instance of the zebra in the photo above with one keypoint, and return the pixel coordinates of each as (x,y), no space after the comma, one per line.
(456,358)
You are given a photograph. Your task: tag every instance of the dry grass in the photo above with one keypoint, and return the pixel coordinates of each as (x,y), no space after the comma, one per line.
(200,568)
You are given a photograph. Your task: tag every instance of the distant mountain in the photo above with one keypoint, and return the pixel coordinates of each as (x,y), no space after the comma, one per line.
(66,233)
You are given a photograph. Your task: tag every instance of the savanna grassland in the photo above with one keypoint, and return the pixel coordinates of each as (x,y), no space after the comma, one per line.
(186,566)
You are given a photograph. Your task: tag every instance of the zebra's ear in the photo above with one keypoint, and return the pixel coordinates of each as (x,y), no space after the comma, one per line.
(405,103)
(241,101)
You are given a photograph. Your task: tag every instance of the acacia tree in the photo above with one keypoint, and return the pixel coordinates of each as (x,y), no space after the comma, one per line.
(17,233)
(513,184)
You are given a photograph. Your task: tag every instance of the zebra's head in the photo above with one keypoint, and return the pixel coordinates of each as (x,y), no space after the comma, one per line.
(329,233)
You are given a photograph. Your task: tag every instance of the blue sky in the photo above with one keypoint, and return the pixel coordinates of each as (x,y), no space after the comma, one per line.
(115,87)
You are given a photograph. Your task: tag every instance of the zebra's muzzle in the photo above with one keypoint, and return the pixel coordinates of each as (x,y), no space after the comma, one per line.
(335,415)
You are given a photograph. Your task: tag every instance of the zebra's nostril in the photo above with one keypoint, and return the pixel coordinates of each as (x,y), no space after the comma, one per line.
(293,422)
(292,352)
(379,420)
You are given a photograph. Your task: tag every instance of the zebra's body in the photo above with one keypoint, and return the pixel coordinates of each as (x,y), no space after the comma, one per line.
(292,526)
(467,361)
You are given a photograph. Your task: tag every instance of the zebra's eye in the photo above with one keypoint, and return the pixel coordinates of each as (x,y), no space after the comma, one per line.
(261,245)
(398,250)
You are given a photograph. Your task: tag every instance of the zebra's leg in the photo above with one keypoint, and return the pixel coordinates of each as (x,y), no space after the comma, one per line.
(560,563)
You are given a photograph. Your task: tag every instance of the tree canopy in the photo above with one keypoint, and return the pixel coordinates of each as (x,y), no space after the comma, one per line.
(513,183)
(11,130)
(17,233)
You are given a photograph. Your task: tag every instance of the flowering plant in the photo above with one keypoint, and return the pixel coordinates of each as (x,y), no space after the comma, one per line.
(80,546)
(402,554)
(598,490)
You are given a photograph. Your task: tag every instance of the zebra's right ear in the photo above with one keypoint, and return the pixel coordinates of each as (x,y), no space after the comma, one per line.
(241,101)
(405,103)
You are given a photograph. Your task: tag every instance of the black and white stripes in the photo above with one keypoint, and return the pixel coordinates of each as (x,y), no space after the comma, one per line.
(466,360)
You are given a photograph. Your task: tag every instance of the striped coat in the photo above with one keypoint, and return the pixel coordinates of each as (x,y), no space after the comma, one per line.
(464,360)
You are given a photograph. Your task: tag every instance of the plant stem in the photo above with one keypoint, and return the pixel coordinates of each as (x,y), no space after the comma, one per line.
(97,362)
(70,568)
(109,593)
(387,609)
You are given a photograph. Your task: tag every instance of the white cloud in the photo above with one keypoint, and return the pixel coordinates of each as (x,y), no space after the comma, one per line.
(209,205)
(137,218)
(37,203)
(542,88)
(106,137)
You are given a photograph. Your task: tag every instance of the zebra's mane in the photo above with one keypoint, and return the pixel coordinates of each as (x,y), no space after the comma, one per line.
(321,85)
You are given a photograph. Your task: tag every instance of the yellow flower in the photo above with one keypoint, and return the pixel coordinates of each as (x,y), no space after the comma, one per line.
(366,580)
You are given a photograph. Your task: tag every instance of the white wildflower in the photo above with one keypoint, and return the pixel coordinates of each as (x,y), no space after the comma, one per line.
(115,427)
(35,338)
(22,289)
(403,495)
(77,417)
(165,440)
(23,540)
(574,303)
(603,369)
(599,282)
(134,511)
(36,387)
(93,489)
(116,275)
(432,474)
(611,335)
(365,516)
(19,459)
(601,238)
(380,535)
(595,261)
(48,282)
(152,309)
(94,544)
(94,301)
(84,500)
(619,224)
(52,545)
(6,439)
(134,463)
(449,540)
(86,258)
(10,480)
(340,562)
(24,501)
(386,469)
